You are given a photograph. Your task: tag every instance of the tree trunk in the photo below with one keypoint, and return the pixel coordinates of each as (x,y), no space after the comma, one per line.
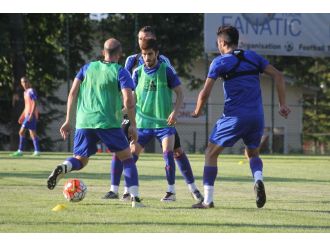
(16,30)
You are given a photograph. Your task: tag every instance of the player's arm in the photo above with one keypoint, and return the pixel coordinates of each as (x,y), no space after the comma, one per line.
(178,103)
(21,117)
(127,86)
(72,98)
(129,104)
(33,108)
(280,86)
(202,97)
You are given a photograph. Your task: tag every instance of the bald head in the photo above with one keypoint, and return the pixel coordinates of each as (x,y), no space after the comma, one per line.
(112,47)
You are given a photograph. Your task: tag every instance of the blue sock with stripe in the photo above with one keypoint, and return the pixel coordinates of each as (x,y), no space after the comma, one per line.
(185,168)
(130,173)
(116,170)
(169,167)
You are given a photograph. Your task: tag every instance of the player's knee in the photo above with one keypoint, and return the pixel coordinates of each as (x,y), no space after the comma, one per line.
(83,160)
(251,153)
(177,152)
(21,132)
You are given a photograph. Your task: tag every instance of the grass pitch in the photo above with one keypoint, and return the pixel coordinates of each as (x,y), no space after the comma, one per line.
(297,187)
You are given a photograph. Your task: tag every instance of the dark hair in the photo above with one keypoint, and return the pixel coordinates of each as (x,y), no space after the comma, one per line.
(149,44)
(148,29)
(229,34)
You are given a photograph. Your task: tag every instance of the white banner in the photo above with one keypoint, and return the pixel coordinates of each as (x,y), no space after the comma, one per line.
(274,34)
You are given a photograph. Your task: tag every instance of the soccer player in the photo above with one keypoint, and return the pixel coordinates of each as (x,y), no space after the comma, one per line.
(100,88)
(28,118)
(155,116)
(243,115)
(180,157)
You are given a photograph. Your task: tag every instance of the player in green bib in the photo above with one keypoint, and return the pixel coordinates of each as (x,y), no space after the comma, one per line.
(155,83)
(101,88)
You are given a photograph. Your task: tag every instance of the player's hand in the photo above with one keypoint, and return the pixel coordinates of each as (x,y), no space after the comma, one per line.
(132,134)
(194,114)
(65,130)
(20,120)
(284,111)
(171,120)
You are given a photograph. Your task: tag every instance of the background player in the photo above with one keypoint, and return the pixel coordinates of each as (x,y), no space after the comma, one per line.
(28,118)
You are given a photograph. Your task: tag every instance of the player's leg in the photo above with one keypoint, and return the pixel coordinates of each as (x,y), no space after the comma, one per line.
(131,176)
(21,143)
(144,136)
(167,141)
(84,146)
(224,134)
(252,140)
(115,140)
(210,174)
(185,168)
(116,170)
(256,166)
(35,141)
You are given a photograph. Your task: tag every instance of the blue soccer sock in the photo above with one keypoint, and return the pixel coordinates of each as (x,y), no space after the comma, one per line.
(209,176)
(135,158)
(72,164)
(130,173)
(36,144)
(185,168)
(116,170)
(256,168)
(21,143)
(169,167)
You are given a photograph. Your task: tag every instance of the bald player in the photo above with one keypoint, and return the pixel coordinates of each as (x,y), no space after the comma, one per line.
(97,88)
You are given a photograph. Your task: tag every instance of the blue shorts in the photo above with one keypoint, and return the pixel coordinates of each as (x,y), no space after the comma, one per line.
(32,125)
(85,140)
(145,135)
(228,130)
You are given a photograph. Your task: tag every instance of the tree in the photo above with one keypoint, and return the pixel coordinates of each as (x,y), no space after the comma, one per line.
(49,48)
(180,37)
(36,45)
(313,73)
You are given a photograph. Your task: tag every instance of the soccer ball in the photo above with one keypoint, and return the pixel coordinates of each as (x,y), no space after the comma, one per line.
(74,190)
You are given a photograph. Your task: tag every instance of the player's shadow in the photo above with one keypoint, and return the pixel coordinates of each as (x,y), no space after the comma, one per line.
(142,177)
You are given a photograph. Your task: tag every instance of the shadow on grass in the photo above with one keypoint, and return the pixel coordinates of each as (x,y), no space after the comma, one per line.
(97,176)
(84,175)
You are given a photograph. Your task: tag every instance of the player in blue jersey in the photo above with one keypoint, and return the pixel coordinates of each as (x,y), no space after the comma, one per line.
(243,115)
(28,118)
(100,89)
(180,157)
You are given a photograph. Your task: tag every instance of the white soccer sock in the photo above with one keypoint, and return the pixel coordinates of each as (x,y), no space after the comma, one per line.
(68,165)
(171,188)
(134,191)
(126,190)
(258,176)
(208,194)
(114,188)
(192,187)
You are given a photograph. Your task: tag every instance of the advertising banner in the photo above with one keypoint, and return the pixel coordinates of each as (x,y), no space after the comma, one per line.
(274,34)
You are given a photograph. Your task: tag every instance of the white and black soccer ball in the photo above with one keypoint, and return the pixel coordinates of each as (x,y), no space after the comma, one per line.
(74,190)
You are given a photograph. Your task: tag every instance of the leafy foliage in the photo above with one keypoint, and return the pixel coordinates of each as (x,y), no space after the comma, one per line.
(45,51)
(313,74)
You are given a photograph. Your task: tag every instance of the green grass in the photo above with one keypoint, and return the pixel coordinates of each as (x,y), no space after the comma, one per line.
(298,197)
